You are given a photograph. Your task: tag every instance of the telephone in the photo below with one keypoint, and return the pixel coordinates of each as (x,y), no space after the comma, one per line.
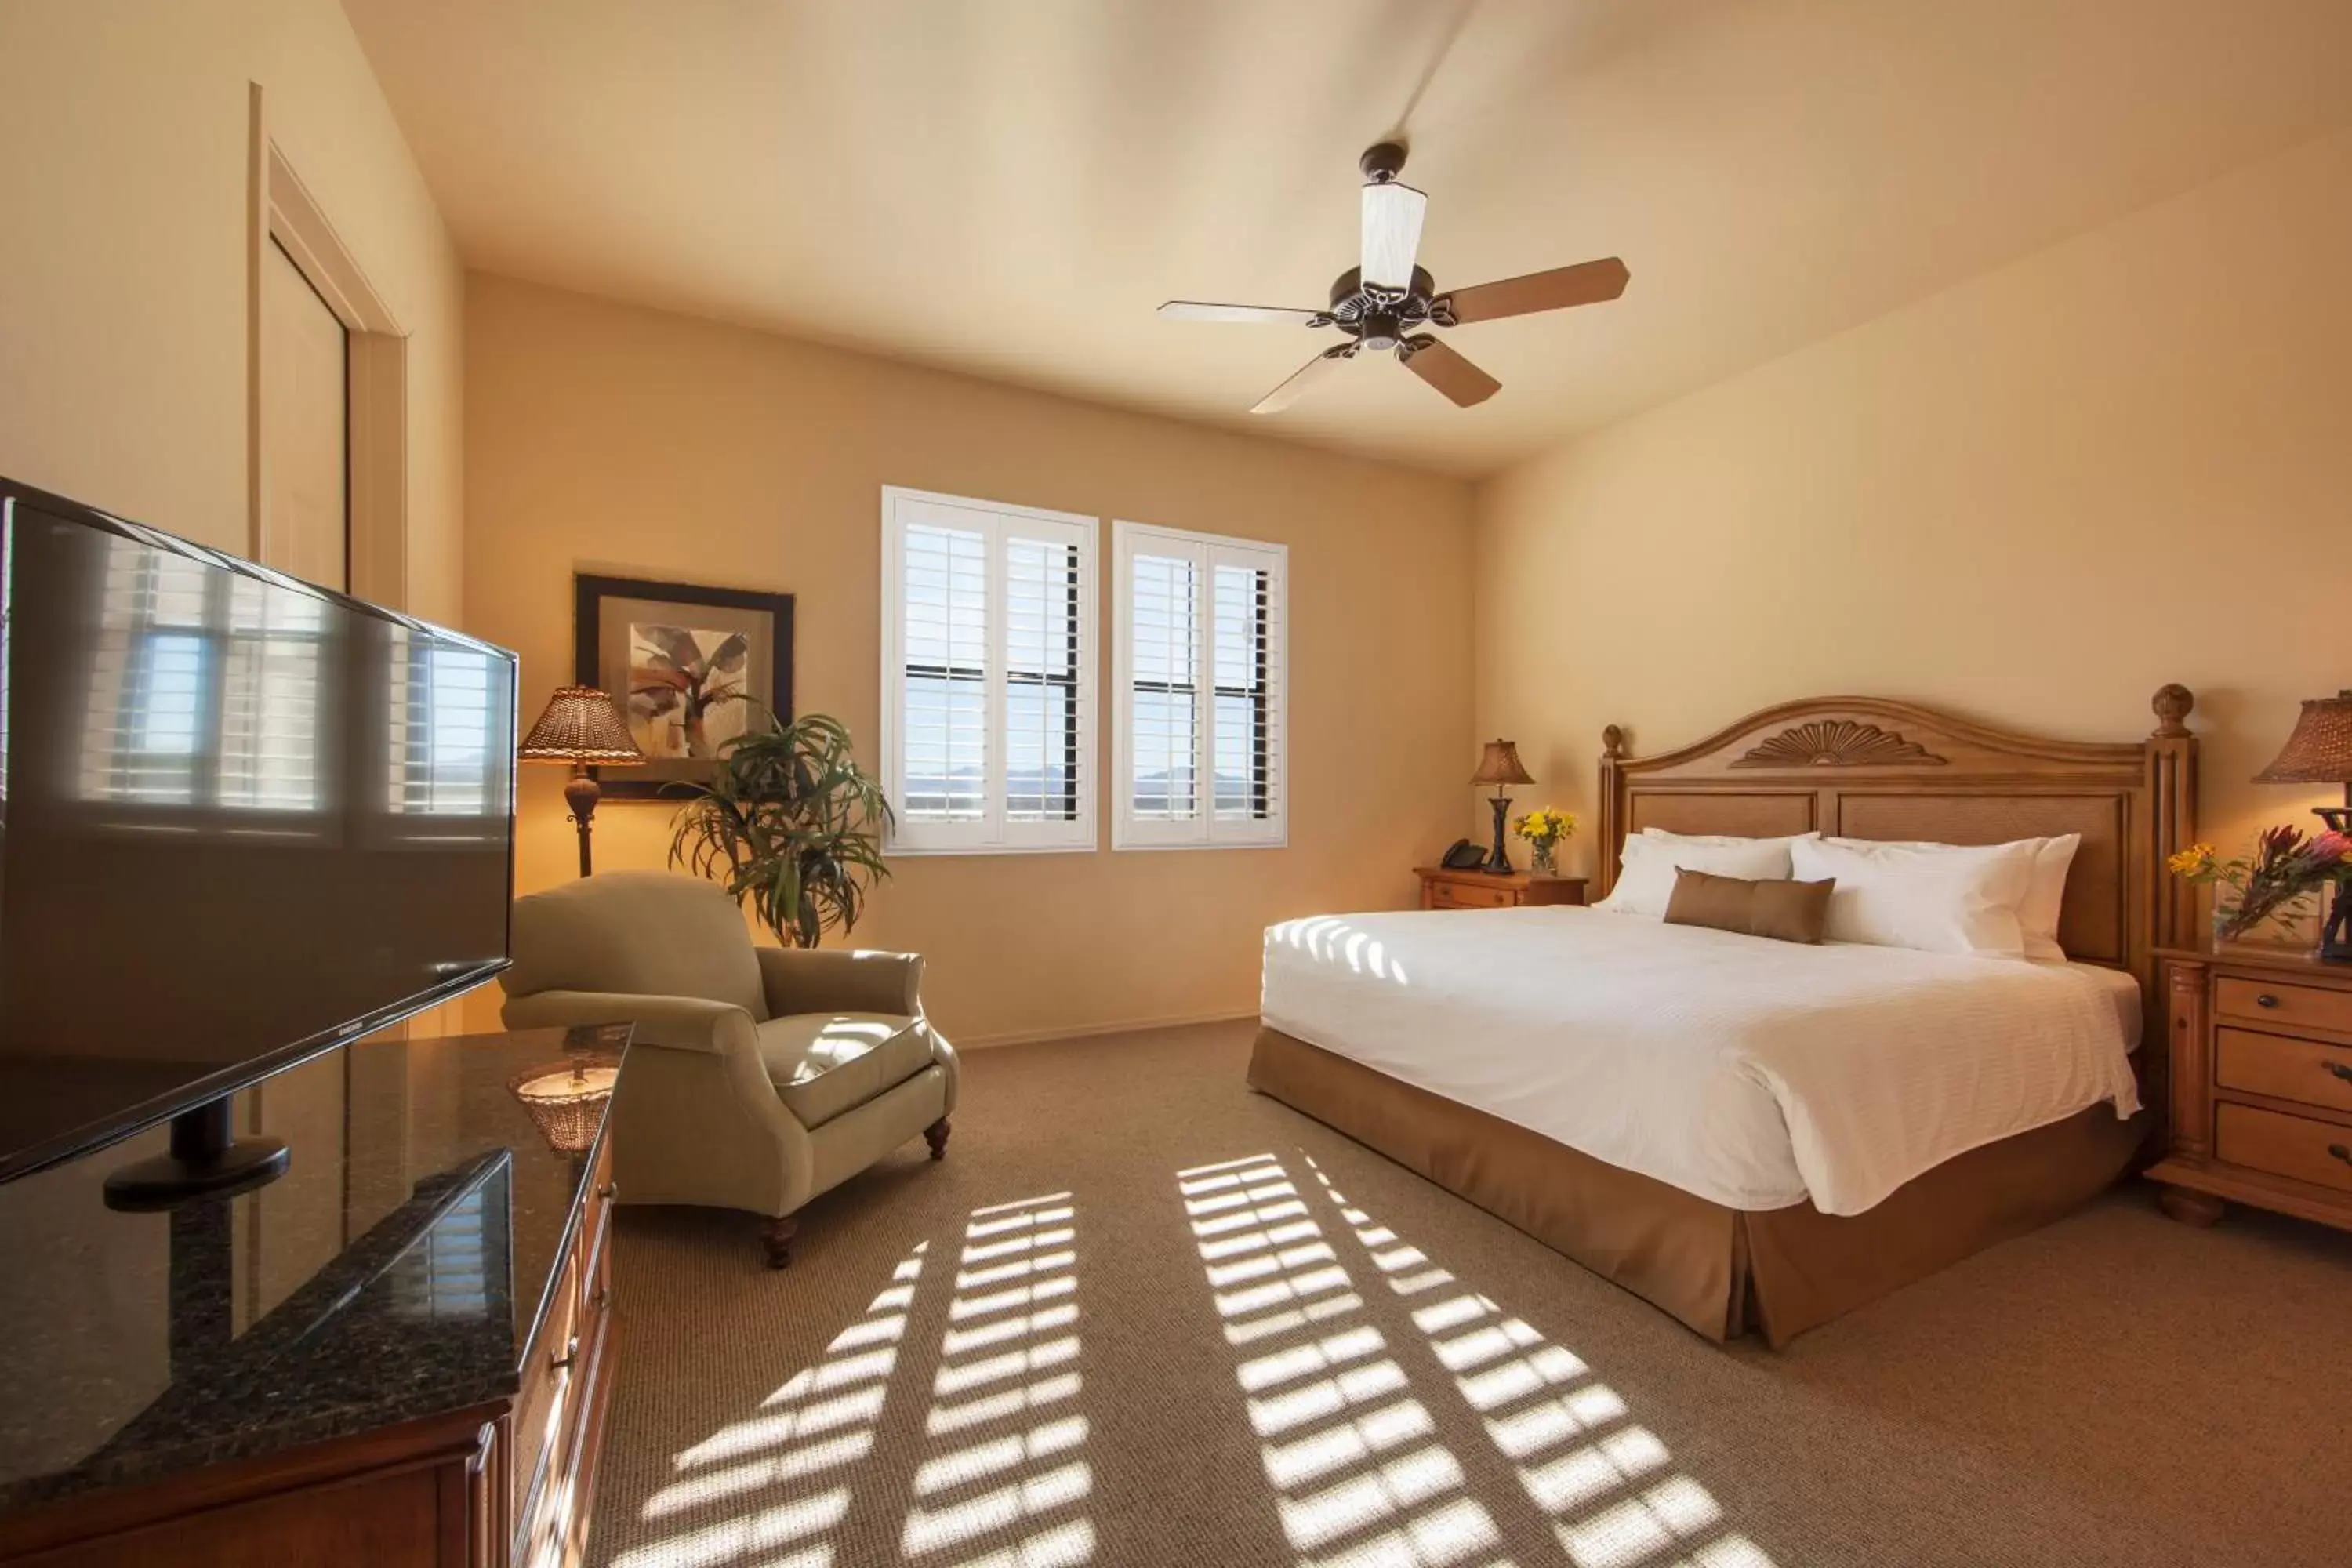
(1464,857)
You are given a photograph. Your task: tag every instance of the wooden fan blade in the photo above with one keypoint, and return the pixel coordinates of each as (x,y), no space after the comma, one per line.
(1313,369)
(1585,283)
(1448,371)
(1203,311)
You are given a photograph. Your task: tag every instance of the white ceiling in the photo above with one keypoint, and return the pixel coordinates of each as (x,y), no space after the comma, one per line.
(1009,188)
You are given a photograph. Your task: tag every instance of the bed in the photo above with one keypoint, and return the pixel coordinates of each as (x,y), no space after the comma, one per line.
(1717,1122)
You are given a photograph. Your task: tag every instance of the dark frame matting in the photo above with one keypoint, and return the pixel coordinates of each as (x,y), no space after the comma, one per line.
(588,593)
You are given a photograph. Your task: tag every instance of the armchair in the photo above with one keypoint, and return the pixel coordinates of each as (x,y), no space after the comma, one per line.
(758,1077)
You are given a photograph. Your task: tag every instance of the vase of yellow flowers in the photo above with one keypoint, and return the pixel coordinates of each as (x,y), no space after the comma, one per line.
(1544,830)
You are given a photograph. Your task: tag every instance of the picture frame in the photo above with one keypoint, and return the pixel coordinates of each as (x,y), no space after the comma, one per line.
(677,658)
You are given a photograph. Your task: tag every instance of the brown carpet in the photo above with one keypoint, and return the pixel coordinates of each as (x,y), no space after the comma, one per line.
(1058,1348)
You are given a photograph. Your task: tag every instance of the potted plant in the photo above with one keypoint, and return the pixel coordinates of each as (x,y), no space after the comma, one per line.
(2273,884)
(790,824)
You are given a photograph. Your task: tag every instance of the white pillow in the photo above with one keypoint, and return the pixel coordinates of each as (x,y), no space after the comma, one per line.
(1645,875)
(1937,897)
(2037,917)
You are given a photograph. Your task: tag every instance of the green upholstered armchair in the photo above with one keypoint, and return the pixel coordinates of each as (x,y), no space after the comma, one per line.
(759,1077)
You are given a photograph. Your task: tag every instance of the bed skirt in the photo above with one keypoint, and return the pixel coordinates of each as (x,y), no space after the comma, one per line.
(1719,1270)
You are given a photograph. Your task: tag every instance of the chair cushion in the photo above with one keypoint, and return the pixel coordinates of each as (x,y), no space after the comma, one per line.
(825,1063)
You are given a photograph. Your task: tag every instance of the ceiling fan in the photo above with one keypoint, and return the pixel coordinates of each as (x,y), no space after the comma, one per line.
(1378,303)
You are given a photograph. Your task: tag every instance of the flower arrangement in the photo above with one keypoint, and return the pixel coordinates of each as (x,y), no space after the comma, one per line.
(1544,829)
(2286,869)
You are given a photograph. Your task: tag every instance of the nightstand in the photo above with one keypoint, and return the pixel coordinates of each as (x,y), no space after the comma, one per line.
(2261,1045)
(1444,889)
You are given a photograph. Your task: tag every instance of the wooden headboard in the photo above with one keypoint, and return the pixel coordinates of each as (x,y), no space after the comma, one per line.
(1864,767)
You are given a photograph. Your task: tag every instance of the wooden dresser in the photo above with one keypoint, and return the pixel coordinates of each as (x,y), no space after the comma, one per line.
(1444,889)
(399,1354)
(2260,1043)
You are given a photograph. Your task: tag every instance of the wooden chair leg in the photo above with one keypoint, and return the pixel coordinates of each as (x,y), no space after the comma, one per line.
(936,1135)
(777,1233)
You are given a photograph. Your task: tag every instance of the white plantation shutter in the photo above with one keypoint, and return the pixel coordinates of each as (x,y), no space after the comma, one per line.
(988,675)
(1199,717)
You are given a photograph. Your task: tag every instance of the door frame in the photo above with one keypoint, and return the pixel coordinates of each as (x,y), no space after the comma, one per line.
(280,209)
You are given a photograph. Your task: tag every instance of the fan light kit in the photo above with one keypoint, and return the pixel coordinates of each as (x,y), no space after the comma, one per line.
(1381,303)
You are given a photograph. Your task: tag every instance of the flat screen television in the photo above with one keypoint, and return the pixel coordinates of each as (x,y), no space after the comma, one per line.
(245,821)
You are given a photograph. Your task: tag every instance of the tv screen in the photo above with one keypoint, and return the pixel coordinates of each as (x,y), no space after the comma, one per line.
(245,820)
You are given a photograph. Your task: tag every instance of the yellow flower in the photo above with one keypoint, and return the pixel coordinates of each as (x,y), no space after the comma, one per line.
(2190,861)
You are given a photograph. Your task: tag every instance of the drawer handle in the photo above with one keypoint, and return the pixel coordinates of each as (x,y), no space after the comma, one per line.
(608,1191)
(2341,1153)
(559,1360)
(2265,1000)
(2340,1069)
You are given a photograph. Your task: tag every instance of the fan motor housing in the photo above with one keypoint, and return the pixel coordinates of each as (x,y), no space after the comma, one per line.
(1380,318)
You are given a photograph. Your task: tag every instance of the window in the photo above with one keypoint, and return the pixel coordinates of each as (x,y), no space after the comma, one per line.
(988,616)
(1198,756)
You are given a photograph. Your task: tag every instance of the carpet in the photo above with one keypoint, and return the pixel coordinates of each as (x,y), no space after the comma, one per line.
(1141,1315)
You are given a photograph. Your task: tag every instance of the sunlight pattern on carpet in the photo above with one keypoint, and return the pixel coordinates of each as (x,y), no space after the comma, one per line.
(1004,1437)
(792,1464)
(1608,1484)
(1359,1478)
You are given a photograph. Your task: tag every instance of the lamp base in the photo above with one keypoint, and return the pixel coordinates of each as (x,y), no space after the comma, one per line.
(2336,934)
(579,793)
(1498,859)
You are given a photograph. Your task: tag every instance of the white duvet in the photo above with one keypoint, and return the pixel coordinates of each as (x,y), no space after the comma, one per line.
(1756,1074)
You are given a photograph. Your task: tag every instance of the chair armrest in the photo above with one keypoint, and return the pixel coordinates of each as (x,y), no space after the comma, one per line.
(683,1023)
(837,980)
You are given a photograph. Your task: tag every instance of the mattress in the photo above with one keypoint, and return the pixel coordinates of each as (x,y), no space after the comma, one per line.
(1754,1074)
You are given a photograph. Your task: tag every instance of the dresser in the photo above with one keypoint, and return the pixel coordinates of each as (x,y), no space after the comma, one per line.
(1447,889)
(2260,1052)
(397,1353)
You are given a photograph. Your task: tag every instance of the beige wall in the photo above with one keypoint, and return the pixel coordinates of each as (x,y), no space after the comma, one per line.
(604,436)
(123,159)
(2035,497)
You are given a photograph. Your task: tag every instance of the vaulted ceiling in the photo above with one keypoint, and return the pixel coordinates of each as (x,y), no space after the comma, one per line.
(1009,188)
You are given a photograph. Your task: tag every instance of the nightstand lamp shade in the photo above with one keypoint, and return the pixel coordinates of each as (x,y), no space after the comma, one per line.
(2320,752)
(1500,766)
(581,726)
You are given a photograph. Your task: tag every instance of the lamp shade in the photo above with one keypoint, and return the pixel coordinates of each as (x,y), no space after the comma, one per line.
(2320,750)
(1500,766)
(581,725)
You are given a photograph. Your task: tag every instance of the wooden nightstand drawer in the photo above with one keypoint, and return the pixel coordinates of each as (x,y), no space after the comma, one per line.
(1470,896)
(2316,1152)
(2277,1004)
(2284,1067)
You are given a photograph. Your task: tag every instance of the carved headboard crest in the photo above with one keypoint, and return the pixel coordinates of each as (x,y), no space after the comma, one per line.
(1836,743)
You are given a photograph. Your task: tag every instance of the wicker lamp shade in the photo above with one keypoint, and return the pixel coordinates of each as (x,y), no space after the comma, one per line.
(1500,766)
(2320,750)
(581,725)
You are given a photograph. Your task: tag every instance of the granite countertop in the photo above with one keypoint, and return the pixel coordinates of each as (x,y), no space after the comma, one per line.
(398,1269)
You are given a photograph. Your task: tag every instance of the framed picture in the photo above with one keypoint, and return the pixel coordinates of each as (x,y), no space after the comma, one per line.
(689,667)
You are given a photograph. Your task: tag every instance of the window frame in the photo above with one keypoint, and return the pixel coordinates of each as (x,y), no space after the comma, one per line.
(991,832)
(1207,552)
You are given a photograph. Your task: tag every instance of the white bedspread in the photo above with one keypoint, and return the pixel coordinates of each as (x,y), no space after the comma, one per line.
(1752,1073)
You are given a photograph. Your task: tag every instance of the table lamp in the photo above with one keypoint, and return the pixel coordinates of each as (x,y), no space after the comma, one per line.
(2320,752)
(582,726)
(1498,767)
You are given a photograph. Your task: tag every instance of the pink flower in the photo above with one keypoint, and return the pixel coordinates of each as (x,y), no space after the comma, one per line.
(2331,847)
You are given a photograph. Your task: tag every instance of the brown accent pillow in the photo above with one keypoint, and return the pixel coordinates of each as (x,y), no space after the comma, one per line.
(1784,910)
